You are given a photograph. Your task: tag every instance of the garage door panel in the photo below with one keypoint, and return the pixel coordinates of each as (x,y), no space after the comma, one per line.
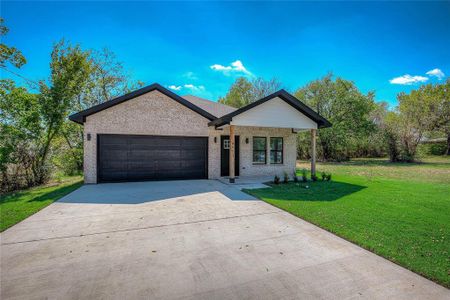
(192,154)
(144,165)
(114,176)
(192,144)
(114,165)
(114,155)
(135,158)
(113,140)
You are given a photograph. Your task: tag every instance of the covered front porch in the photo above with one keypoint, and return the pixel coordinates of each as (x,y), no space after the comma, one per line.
(254,155)
(260,140)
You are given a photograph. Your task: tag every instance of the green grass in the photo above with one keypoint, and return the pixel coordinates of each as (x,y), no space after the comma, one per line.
(17,206)
(399,211)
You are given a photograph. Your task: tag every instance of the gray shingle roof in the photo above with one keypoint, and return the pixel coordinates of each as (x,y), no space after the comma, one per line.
(214,108)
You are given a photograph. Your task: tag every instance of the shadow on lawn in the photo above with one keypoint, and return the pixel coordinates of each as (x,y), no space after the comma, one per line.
(51,195)
(317,191)
(58,193)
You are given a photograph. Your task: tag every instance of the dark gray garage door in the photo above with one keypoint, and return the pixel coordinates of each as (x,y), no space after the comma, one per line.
(140,157)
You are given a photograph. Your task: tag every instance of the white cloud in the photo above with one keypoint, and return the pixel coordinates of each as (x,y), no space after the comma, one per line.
(236,67)
(189,86)
(190,75)
(194,87)
(408,79)
(175,87)
(437,73)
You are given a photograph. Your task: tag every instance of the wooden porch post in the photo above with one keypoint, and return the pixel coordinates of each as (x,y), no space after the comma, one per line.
(313,151)
(231,160)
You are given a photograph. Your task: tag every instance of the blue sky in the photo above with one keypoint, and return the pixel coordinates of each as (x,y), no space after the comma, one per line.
(191,46)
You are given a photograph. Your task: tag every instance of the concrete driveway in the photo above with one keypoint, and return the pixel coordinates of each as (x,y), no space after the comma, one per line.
(188,240)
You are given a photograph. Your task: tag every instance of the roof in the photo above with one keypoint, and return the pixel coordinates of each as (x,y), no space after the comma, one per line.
(285,96)
(80,117)
(218,114)
(214,108)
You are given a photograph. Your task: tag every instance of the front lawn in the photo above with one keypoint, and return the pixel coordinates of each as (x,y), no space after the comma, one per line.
(19,205)
(399,211)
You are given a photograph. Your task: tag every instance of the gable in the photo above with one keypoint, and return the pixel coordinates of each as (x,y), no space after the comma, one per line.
(80,117)
(274,113)
(152,113)
(269,111)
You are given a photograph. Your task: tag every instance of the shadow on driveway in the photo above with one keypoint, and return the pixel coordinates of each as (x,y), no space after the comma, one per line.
(141,192)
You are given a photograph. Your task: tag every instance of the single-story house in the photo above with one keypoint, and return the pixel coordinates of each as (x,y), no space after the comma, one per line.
(155,134)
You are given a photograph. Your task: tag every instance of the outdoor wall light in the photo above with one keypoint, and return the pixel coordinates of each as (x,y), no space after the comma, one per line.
(246,140)
(88,137)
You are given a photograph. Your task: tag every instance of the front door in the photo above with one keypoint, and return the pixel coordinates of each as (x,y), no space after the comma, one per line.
(225,155)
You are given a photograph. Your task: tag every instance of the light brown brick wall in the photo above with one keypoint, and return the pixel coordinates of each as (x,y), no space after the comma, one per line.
(247,168)
(150,114)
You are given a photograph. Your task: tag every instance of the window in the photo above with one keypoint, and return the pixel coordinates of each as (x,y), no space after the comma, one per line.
(259,150)
(226,144)
(276,150)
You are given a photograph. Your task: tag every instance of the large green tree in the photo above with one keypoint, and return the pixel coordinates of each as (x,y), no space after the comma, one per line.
(9,54)
(70,69)
(21,130)
(106,78)
(243,92)
(422,111)
(349,111)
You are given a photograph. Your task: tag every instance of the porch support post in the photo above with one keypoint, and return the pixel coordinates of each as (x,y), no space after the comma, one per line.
(231,160)
(313,151)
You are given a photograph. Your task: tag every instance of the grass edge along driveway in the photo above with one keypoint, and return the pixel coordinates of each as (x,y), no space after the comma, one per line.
(19,205)
(404,221)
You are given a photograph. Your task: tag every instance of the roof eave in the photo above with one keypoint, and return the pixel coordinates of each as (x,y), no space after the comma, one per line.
(288,98)
(80,117)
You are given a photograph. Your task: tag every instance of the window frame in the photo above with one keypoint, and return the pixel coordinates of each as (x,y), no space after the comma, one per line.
(264,151)
(275,151)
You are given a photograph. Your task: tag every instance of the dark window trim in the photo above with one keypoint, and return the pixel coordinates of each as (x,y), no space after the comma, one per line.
(265,150)
(282,150)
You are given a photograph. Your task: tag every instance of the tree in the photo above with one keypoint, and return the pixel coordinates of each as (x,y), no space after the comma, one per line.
(9,54)
(424,110)
(239,94)
(70,68)
(390,127)
(262,88)
(20,132)
(105,80)
(346,108)
(243,92)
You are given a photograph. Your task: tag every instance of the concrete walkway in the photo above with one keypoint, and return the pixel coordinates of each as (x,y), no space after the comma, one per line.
(189,240)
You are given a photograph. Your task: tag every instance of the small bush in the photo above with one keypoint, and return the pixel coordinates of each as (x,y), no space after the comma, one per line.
(304,177)
(324,176)
(328,177)
(285,177)
(276,180)
(314,178)
(295,177)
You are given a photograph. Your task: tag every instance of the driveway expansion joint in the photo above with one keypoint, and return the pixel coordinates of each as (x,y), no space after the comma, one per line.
(140,228)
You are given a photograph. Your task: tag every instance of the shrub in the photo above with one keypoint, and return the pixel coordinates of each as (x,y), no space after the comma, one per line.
(324,176)
(313,177)
(295,177)
(276,180)
(304,177)
(285,177)
(328,177)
